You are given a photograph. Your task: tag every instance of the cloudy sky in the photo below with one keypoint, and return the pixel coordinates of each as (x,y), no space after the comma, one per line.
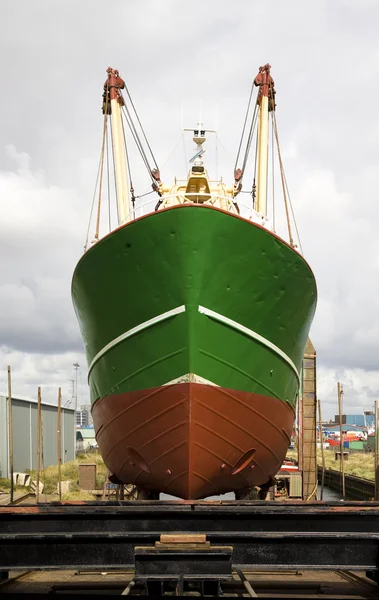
(325,63)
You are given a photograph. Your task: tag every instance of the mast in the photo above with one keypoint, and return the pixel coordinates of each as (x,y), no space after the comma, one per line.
(112,106)
(265,102)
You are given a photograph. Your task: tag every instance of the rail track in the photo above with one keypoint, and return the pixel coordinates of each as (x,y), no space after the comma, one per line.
(272,584)
(18,498)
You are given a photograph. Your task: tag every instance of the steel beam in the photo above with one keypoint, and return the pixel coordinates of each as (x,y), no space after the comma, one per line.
(263,535)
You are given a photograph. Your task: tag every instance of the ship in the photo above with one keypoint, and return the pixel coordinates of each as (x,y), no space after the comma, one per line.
(194,315)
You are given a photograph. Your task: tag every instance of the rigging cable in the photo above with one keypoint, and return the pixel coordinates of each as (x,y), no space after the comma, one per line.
(132,197)
(244,126)
(254,188)
(101,170)
(283,182)
(293,214)
(287,189)
(273,172)
(136,137)
(250,137)
(146,194)
(114,173)
(108,186)
(93,205)
(137,140)
(216,157)
(172,152)
(143,132)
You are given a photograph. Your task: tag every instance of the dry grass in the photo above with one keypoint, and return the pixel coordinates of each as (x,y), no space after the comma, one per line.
(360,464)
(81,495)
(70,472)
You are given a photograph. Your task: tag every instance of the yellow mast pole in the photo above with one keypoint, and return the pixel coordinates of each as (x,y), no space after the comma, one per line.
(265,82)
(114,84)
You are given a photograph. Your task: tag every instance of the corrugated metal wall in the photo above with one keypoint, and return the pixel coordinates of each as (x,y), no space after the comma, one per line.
(24,413)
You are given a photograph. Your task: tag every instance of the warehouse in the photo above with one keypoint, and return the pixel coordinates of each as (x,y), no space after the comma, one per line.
(24,417)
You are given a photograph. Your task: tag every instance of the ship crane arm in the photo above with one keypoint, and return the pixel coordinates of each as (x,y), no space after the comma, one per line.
(122,110)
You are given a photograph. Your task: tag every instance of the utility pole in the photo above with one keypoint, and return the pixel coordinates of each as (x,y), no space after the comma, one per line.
(76,367)
(340,411)
(59,444)
(10,432)
(376,466)
(38,443)
(322,449)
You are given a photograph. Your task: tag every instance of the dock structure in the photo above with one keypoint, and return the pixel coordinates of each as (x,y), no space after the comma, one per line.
(308,423)
(190,541)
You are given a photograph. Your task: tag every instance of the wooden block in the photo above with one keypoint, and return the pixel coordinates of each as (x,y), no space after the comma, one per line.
(183,538)
(186,546)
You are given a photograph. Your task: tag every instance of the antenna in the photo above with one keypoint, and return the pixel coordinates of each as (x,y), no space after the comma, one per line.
(76,367)
(69,402)
(182,115)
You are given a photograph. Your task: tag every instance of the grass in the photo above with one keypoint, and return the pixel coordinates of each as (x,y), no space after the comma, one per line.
(360,464)
(69,472)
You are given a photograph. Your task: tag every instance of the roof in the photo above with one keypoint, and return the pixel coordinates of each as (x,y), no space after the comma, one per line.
(87,433)
(34,401)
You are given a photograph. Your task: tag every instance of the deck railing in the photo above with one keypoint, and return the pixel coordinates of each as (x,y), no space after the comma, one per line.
(216,200)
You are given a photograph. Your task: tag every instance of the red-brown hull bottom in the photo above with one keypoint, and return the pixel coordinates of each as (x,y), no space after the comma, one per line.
(193,440)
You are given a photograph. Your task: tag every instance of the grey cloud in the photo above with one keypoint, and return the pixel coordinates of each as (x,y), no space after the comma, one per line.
(325,62)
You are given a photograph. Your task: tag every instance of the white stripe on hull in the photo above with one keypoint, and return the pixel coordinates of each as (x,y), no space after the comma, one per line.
(207,312)
(250,333)
(134,330)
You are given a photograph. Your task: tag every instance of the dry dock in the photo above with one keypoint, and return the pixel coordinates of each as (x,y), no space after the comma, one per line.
(199,547)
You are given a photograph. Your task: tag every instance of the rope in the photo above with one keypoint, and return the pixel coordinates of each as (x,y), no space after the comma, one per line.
(101,176)
(283,181)
(254,188)
(273,176)
(137,140)
(216,157)
(108,186)
(132,197)
(146,194)
(172,152)
(144,135)
(251,134)
(293,215)
(244,126)
(114,173)
(92,207)
(312,493)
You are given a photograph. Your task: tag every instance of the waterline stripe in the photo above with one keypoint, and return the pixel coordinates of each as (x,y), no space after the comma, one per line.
(158,319)
(250,333)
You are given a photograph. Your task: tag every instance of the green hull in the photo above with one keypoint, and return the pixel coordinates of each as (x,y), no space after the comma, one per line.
(194,290)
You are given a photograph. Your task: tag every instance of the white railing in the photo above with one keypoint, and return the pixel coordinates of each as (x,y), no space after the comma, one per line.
(216,200)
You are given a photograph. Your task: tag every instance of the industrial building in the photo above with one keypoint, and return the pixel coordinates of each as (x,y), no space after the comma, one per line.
(85,439)
(367,419)
(24,418)
(84,417)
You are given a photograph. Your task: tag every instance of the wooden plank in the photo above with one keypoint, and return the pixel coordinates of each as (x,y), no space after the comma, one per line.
(183,538)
